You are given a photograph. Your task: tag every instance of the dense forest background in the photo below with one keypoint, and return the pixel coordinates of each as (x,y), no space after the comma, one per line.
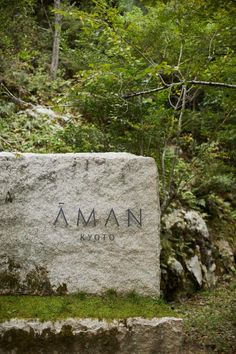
(155,78)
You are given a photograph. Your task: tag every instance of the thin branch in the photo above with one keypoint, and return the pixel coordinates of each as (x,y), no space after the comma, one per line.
(5,141)
(44,29)
(211,83)
(180,55)
(179,100)
(225,119)
(15,99)
(141,93)
(46,14)
(182,111)
(162,80)
(149,60)
(163,169)
(210,52)
(192,82)
(169,99)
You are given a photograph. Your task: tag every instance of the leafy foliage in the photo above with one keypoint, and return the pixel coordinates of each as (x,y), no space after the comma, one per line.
(110,51)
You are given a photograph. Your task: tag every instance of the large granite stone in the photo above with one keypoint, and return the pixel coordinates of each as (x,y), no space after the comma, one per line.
(105,235)
(91,336)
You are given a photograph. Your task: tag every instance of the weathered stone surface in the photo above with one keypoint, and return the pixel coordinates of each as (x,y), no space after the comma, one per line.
(91,336)
(175,266)
(46,248)
(187,259)
(226,255)
(190,220)
(225,249)
(196,223)
(194,266)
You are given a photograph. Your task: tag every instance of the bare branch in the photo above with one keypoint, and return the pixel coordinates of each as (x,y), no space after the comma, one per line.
(177,106)
(45,11)
(162,80)
(184,89)
(141,93)
(163,170)
(211,83)
(180,55)
(192,82)
(169,99)
(15,99)
(210,51)
(5,141)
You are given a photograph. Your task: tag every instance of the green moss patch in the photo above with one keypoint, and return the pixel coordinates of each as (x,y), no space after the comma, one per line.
(109,306)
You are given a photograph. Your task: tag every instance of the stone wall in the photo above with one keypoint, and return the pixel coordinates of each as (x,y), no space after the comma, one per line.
(87,336)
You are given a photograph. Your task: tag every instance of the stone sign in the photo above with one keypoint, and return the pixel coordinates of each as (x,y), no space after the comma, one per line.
(78,222)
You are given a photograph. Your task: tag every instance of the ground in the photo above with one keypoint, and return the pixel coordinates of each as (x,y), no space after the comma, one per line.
(210,321)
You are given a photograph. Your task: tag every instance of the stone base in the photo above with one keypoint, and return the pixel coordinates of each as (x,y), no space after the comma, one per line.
(91,336)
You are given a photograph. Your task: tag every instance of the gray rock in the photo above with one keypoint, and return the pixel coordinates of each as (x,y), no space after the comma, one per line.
(175,218)
(226,255)
(41,110)
(163,335)
(91,336)
(175,266)
(194,266)
(196,223)
(225,249)
(105,235)
(188,242)
(209,275)
(190,220)
(38,110)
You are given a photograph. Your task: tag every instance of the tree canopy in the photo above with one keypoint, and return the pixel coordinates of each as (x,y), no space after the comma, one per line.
(154,78)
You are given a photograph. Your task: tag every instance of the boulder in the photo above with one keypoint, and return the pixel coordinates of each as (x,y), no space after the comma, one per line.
(38,110)
(79,222)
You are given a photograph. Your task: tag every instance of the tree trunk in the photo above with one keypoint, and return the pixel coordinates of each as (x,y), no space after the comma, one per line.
(56,41)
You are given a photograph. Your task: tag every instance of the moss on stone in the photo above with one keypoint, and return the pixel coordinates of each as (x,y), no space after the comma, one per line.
(9,282)
(62,289)
(10,277)
(61,307)
(30,342)
(37,282)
